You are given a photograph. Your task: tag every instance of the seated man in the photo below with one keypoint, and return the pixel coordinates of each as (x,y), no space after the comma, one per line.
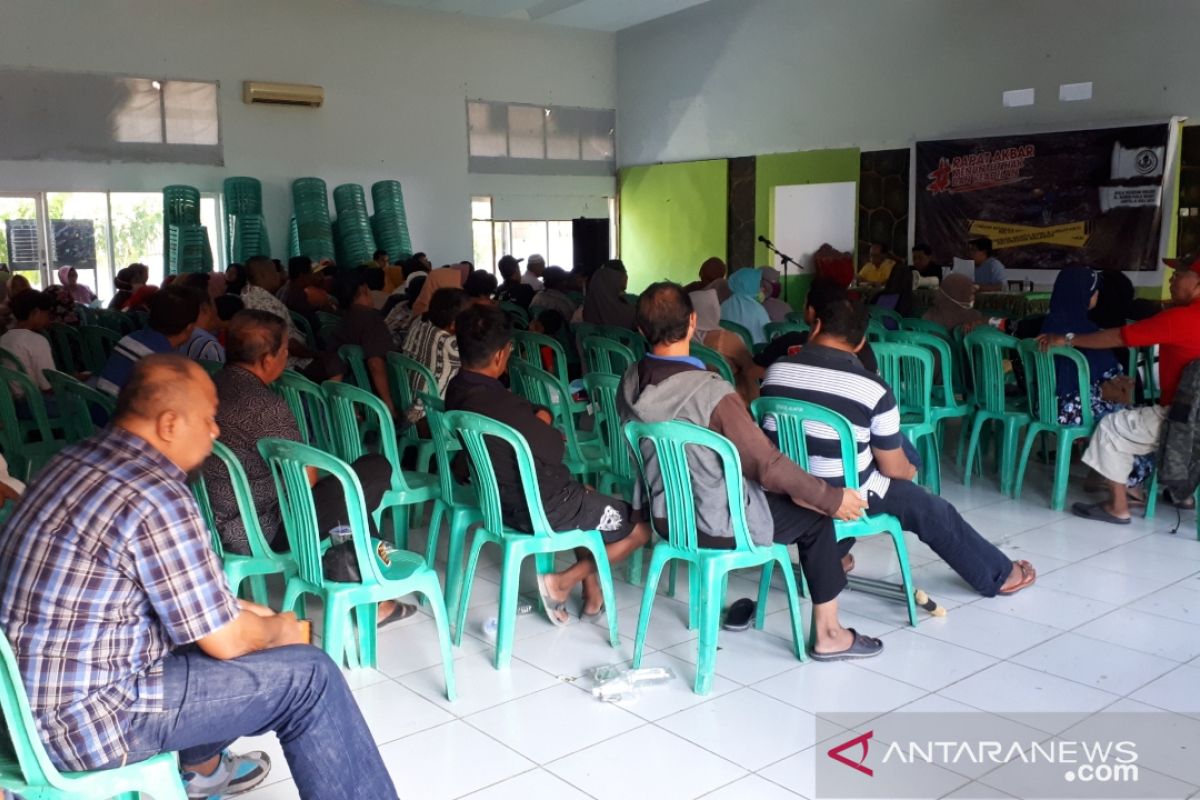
(203,344)
(484,344)
(302,294)
(878,267)
(990,274)
(512,290)
(1123,435)
(784,503)
(173,313)
(126,635)
(263,281)
(827,372)
(31,312)
(822,292)
(430,341)
(363,325)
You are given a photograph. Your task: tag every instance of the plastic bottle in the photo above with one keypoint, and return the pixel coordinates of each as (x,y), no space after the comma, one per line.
(340,534)
(489,628)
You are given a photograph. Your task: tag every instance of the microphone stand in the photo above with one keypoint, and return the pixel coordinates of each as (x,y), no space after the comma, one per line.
(784,260)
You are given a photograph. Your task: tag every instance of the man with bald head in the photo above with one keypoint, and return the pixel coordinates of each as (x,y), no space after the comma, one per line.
(125,631)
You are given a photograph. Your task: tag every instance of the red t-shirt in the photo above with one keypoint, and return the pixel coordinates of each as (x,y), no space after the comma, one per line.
(1177,333)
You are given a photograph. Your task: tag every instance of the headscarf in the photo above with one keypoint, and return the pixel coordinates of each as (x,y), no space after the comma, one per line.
(899,285)
(78,292)
(743,307)
(1069,302)
(708,312)
(952,303)
(713,269)
(777,309)
(605,303)
(443,278)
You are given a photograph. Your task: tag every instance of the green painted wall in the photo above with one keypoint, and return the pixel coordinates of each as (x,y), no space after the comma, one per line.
(790,169)
(672,217)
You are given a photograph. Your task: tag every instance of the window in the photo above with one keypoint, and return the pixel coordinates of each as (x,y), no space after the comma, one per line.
(518,138)
(523,238)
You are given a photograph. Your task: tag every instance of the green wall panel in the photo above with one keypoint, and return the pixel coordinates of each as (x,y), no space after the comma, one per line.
(673,217)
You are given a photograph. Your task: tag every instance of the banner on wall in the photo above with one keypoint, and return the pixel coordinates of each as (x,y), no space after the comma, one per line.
(1046,200)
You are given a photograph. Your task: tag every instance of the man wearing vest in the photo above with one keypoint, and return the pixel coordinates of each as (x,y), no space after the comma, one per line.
(1122,436)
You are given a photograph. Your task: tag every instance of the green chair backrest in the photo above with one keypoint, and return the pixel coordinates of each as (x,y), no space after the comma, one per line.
(117,321)
(740,330)
(65,342)
(661,452)
(301,323)
(307,403)
(876,330)
(631,339)
(604,356)
(245,504)
(516,312)
(352,354)
(1041,381)
(527,347)
(797,316)
(352,412)
(289,463)
(987,349)
(12,436)
(602,390)
(908,369)
(77,403)
(408,378)
(97,343)
(776,329)
(713,360)
(211,367)
(793,418)
(328,318)
(543,389)
(87,314)
(7,359)
(944,363)
(474,430)
(23,758)
(925,326)
(880,313)
(444,442)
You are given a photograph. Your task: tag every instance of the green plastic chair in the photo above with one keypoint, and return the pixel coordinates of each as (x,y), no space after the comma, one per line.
(7,359)
(584,457)
(713,360)
(459,505)
(26,457)
(307,403)
(631,339)
(880,313)
(742,331)
(262,560)
(796,316)
(116,321)
(26,770)
(65,342)
(474,430)
(605,356)
(987,349)
(327,334)
(908,369)
(328,318)
(527,347)
(76,403)
(97,343)
(1041,384)
(667,443)
(1141,365)
(352,354)
(918,325)
(517,313)
(211,367)
(791,417)
(406,572)
(353,412)
(302,325)
(773,330)
(408,380)
(618,477)
(876,330)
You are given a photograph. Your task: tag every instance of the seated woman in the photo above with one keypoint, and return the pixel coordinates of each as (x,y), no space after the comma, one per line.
(746,373)
(743,307)
(777,309)
(897,292)
(954,304)
(1076,291)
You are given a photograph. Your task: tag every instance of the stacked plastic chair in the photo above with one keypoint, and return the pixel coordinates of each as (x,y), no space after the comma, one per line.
(186,240)
(390,222)
(314,233)
(293,238)
(245,228)
(355,243)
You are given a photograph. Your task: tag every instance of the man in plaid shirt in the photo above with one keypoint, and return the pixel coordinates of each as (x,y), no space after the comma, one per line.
(127,637)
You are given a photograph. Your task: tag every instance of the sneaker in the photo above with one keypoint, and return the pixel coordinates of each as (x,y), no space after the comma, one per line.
(234,775)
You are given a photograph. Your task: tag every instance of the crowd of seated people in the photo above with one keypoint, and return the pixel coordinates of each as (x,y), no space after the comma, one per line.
(116,508)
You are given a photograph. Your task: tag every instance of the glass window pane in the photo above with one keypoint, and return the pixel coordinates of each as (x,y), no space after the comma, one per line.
(484,246)
(19,247)
(502,237)
(561,251)
(79,238)
(487,126)
(481,208)
(596,135)
(525,132)
(137,219)
(562,134)
(191,112)
(528,238)
(139,119)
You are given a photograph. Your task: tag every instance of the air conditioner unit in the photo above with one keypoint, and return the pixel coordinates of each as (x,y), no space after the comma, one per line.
(282,94)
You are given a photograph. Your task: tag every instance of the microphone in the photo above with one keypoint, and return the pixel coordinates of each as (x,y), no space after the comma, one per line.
(765,240)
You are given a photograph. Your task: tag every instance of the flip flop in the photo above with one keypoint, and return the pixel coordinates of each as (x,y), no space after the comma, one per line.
(739,614)
(1096,512)
(553,607)
(1028,576)
(862,647)
(402,612)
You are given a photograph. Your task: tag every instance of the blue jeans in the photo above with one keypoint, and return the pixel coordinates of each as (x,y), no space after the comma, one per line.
(296,691)
(939,525)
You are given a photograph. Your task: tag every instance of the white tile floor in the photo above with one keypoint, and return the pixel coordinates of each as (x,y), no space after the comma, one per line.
(1113,622)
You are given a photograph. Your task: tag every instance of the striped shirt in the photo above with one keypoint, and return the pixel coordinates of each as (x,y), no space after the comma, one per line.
(836,380)
(105,566)
(129,350)
(428,344)
(203,346)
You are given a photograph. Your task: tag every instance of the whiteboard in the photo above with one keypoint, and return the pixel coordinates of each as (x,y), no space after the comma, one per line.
(808,215)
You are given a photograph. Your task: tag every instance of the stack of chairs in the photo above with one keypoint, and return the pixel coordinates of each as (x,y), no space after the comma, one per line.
(390,223)
(185,239)
(314,233)
(245,228)
(354,242)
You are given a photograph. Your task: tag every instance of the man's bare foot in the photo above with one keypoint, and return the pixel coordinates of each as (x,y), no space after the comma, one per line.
(833,640)
(1023,574)
(593,597)
(557,595)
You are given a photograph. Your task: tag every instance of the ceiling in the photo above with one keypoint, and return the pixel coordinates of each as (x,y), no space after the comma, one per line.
(599,15)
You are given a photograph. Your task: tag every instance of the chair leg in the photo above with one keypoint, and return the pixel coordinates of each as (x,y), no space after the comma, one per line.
(437,604)
(789,579)
(336,635)
(433,532)
(933,463)
(1062,473)
(633,567)
(468,581)
(510,584)
(694,596)
(973,448)
(258,589)
(657,560)
(1008,456)
(671,579)
(764,590)
(905,574)
(367,615)
(454,557)
(1152,499)
(710,625)
(1023,462)
(400,526)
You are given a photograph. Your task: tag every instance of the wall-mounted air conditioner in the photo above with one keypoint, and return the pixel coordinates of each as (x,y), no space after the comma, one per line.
(282,94)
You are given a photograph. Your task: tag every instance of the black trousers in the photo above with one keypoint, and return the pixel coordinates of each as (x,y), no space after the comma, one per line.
(374,473)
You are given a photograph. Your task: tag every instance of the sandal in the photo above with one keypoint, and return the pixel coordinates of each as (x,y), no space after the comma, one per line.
(739,614)
(1097,512)
(1028,576)
(402,611)
(862,647)
(556,610)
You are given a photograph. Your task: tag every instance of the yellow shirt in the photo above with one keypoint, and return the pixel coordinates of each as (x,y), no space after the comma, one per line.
(873,274)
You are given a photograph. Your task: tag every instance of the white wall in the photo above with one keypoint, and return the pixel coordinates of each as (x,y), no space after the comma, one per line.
(396,83)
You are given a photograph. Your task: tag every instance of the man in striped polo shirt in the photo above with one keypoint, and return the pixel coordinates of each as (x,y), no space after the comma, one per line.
(828,373)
